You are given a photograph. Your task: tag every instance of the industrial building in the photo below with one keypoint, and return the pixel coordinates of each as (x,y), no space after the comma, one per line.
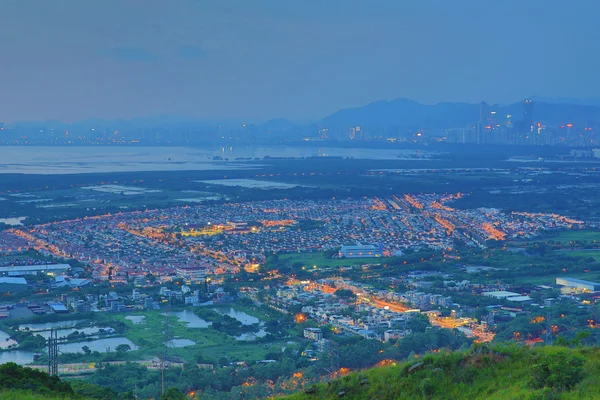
(58,308)
(510,296)
(362,250)
(12,285)
(22,270)
(577,286)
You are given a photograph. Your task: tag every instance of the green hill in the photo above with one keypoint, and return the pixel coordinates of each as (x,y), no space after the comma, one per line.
(22,383)
(484,372)
(27,395)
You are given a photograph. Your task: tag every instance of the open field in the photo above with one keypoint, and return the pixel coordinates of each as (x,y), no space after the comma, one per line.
(593,253)
(309,260)
(565,236)
(576,236)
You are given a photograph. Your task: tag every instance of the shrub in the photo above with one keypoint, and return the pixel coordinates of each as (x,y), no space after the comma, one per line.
(558,371)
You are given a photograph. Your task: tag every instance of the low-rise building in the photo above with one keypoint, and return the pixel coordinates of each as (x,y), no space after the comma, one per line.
(362,250)
(315,334)
(393,334)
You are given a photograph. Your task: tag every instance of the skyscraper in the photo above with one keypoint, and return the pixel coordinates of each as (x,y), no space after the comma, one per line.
(528,114)
(483,117)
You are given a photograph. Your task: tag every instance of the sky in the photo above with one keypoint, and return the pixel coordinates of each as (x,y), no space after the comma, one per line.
(71,60)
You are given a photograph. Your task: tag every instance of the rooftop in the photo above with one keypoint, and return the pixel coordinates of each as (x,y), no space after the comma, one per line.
(14,281)
(580,281)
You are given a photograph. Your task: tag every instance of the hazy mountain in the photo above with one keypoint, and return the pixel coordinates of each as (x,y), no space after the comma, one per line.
(401,114)
(567,100)
(408,114)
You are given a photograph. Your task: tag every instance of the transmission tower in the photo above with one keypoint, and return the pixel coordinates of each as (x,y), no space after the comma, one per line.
(548,338)
(53,352)
(332,351)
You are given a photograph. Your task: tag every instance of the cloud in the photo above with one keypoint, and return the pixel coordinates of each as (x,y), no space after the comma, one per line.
(191,52)
(132,54)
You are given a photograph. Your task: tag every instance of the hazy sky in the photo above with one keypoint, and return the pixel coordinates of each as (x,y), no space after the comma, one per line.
(75,59)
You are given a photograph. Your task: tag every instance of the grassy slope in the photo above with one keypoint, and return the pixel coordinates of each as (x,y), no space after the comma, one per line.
(496,374)
(23,395)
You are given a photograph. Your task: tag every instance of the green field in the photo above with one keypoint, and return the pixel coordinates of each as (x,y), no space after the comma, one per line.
(210,344)
(310,260)
(593,253)
(571,236)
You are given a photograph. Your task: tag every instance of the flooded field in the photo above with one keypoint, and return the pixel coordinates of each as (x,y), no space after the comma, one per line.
(191,319)
(5,341)
(136,319)
(180,342)
(101,345)
(52,325)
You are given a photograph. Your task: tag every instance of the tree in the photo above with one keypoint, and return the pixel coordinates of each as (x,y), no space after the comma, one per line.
(345,294)
(418,323)
(173,394)
(557,371)
(86,350)
(123,348)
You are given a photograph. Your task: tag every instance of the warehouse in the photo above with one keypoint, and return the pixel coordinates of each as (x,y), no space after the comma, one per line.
(12,285)
(22,270)
(577,286)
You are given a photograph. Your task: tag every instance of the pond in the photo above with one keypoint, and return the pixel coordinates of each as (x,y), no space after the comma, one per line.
(180,342)
(20,357)
(101,345)
(51,325)
(136,319)
(191,319)
(245,319)
(252,335)
(5,341)
(16,221)
(241,316)
(61,333)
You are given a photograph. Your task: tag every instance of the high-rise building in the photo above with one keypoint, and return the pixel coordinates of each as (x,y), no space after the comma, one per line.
(528,114)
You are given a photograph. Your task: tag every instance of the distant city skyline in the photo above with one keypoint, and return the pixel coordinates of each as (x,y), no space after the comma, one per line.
(70,61)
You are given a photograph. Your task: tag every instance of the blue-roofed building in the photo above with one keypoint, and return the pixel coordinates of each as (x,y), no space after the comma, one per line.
(58,308)
(367,334)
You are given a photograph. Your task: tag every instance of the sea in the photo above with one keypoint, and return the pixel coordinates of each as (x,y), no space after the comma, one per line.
(102,159)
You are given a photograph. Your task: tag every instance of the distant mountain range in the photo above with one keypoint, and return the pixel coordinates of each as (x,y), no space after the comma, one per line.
(409,114)
(401,114)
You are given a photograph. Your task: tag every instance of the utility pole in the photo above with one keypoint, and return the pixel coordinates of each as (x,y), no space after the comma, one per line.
(162,373)
(168,337)
(548,336)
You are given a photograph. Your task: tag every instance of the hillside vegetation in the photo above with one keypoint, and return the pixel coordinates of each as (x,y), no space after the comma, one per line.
(484,372)
(23,383)
(27,395)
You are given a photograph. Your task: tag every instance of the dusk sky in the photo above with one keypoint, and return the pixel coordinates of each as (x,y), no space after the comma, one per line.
(71,59)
